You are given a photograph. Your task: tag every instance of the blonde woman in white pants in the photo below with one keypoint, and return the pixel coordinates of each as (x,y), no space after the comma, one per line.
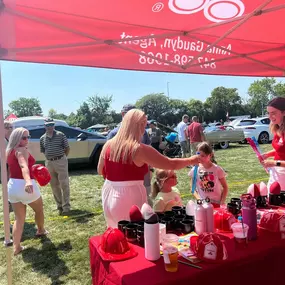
(123,163)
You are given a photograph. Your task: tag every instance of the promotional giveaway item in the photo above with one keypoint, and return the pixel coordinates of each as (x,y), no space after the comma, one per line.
(255,147)
(135,214)
(151,238)
(200,218)
(209,215)
(240,231)
(114,246)
(190,208)
(209,247)
(41,174)
(170,252)
(146,211)
(273,222)
(275,194)
(223,220)
(249,215)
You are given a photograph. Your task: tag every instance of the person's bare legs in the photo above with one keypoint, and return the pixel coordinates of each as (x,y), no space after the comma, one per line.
(38,208)
(20,216)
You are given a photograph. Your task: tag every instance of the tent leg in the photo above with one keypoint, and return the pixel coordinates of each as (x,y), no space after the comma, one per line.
(4,181)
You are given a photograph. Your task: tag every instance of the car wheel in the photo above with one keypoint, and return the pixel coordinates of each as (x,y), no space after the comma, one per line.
(263,138)
(224,145)
(243,142)
(96,157)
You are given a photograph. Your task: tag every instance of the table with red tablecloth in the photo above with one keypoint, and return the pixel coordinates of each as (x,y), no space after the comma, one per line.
(262,262)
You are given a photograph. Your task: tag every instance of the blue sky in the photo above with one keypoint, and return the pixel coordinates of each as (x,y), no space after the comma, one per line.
(64,88)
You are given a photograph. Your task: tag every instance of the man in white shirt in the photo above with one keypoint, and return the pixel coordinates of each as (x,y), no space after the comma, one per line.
(182,135)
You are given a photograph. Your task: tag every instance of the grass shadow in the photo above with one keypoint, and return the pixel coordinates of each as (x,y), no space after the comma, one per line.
(83,171)
(46,260)
(80,216)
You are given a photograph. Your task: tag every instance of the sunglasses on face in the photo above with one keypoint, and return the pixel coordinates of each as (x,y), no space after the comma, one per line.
(8,128)
(49,125)
(26,138)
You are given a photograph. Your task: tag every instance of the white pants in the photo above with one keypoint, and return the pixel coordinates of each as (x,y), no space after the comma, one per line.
(119,197)
(277,174)
(17,193)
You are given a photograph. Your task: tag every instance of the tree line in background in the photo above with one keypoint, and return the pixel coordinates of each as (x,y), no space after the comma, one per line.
(222,101)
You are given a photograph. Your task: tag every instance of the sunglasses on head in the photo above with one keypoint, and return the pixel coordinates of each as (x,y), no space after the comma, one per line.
(26,138)
(49,125)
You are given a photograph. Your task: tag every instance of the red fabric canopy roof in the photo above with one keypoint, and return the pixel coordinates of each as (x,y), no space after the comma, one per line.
(229,37)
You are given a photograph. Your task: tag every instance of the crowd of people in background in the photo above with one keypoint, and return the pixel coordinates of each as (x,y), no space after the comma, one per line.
(126,161)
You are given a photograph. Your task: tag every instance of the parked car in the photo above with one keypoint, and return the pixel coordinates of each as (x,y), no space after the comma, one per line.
(256,127)
(85,147)
(223,137)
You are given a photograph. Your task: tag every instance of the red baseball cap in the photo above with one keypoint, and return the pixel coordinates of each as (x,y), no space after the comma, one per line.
(114,246)
(41,174)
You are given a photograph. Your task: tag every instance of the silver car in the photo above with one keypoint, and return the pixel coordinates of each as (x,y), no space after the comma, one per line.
(85,147)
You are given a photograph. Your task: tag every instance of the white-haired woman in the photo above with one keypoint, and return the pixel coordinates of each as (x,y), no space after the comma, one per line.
(22,188)
(124,162)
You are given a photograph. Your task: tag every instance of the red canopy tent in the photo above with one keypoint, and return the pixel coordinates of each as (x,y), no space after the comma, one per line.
(11,117)
(228,37)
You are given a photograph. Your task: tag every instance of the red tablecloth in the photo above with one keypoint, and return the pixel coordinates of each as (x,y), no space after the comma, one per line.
(262,262)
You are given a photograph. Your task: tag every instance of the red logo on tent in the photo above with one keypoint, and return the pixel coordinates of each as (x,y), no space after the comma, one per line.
(214,10)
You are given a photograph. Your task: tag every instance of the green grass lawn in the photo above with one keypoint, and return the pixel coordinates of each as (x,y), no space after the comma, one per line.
(63,257)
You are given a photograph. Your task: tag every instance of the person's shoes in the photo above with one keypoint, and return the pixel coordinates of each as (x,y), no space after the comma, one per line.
(60,210)
(41,234)
(65,213)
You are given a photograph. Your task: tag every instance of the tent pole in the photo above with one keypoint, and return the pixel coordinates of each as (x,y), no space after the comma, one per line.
(4,181)
(7,240)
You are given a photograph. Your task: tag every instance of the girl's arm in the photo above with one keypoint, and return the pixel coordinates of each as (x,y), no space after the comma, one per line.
(23,156)
(158,206)
(147,154)
(224,184)
(268,154)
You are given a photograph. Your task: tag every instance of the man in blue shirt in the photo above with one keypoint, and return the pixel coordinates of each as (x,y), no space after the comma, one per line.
(126,108)
(145,140)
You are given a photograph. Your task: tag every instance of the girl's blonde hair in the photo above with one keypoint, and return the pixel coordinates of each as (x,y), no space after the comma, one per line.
(124,145)
(15,139)
(161,176)
(207,149)
(276,129)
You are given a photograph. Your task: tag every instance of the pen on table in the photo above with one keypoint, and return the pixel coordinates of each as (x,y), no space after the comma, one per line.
(192,265)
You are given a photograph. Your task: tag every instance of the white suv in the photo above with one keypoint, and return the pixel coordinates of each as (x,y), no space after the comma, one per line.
(256,127)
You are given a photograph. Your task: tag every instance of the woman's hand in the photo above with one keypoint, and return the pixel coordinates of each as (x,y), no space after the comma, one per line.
(269,163)
(29,187)
(194,160)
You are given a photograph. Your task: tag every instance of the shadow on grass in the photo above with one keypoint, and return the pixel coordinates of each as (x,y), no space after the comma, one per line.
(46,260)
(82,171)
(81,216)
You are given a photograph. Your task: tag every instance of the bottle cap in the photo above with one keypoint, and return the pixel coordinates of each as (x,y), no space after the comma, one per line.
(240,219)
